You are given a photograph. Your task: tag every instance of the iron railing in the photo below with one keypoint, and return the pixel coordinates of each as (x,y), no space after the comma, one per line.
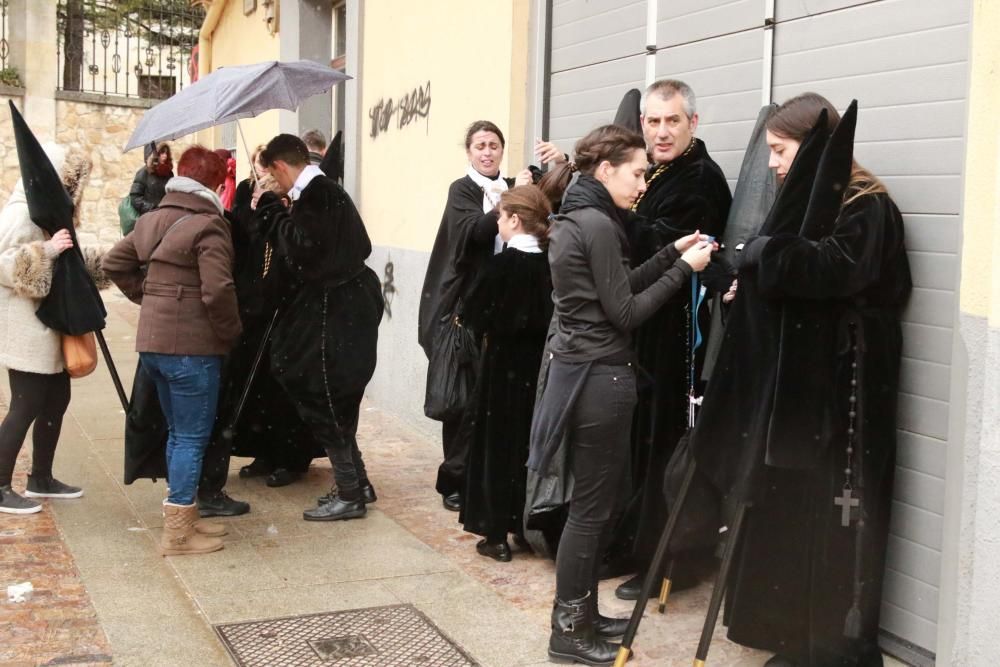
(4,44)
(127,48)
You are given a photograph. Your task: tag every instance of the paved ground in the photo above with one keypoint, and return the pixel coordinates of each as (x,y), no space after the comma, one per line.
(103,595)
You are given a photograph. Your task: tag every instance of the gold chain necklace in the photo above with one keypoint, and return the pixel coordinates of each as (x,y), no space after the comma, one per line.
(662,169)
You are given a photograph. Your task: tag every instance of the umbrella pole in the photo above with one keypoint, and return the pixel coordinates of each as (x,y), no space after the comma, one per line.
(112,369)
(246,147)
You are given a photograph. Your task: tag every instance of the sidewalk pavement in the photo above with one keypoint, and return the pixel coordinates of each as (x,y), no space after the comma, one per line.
(102,594)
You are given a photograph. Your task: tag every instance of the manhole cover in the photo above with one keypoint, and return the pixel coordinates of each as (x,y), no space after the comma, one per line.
(397,635)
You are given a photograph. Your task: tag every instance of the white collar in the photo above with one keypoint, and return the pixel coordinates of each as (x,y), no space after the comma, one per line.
(310,172)
(492,188)
(524,243)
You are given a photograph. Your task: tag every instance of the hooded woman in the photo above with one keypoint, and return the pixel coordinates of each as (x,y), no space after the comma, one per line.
(32,352)
(150,182)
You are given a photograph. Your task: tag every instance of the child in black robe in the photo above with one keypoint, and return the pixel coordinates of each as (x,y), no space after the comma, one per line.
(509,308)
(323,348)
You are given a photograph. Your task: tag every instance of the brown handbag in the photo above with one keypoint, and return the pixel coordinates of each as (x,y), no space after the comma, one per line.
(80,354)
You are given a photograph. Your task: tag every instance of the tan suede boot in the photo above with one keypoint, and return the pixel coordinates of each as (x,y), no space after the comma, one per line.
(179,535)
(209,528)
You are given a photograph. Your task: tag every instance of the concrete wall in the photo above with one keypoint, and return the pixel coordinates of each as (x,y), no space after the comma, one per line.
(971,562)
(457,61)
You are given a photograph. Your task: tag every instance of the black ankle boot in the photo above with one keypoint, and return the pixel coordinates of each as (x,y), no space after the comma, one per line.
(573,638)
(605,627)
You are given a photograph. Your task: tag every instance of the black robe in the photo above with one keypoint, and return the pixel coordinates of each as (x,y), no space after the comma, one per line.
(324,346)
(774,431)
(510,308)
(269,426)
(690,195)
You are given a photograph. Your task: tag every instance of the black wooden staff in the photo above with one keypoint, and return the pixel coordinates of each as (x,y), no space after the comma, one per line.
(651,574)
(253,372)
(106,352)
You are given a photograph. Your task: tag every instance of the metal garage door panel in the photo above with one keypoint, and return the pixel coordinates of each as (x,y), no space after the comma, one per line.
(919,157)
(929,523)
(583,98)
(591,31)
(914,560)
(924,416)
(936,270)
(683,21)
(725,74)
(932,232)
(896,123)
(863,19)
(920,453)
(920,490)
(925,378)
(927,342)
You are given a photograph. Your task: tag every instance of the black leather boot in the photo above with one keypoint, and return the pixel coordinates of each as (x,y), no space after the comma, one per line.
(336,510)
(573,639)
(604,626)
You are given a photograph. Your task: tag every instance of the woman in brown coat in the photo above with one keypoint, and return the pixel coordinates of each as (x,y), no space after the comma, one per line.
(188,322)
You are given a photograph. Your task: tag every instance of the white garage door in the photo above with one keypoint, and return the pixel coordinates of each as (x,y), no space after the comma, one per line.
(905,62)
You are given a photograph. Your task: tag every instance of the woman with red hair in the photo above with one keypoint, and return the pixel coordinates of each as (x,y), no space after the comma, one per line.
(188,322)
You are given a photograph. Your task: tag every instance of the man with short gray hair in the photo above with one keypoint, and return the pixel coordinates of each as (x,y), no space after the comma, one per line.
(686,191)
(315,141)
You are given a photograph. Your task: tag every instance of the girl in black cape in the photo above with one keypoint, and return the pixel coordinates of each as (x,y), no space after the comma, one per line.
(800,416)
(466,239)
(590,393)
(509,308)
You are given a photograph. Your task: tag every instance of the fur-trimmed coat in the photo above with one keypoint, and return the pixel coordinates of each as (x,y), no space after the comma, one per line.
(26,265)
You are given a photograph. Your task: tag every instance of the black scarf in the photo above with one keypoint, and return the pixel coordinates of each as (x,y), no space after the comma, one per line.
(588,192)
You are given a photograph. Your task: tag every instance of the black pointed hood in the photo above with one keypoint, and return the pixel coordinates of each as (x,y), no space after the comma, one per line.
(332,163)
(790,205)
(49,205)
(73,305)
(832,177)
(629,113)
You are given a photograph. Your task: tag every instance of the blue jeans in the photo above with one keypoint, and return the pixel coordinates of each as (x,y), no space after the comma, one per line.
(188,389)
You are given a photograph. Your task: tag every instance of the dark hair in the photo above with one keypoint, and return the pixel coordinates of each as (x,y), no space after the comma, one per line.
(224,153)
(555,181)
(479,126)
(794,119)
(287,148)
(612,143)
(315,140)
(202,165)
(532,207)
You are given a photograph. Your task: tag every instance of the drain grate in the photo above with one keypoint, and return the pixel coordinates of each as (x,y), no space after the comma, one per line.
(397,635)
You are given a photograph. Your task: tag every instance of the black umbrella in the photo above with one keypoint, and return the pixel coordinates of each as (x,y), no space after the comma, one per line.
(73,305)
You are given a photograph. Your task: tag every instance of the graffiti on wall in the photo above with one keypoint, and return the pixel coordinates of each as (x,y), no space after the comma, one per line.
(409,108)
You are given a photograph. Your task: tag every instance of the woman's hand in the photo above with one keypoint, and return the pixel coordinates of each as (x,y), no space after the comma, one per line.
(685,242)
(699,255)
(60,242)
(731,294)
(523,178)
(548,152)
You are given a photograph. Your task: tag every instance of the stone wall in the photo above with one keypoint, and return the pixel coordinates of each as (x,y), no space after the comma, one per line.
(103,129)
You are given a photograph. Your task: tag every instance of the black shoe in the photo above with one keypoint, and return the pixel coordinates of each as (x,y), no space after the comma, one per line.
(630,589)
(779,661)
(14,503)
(50,487)
(220,504)
(337,510)
(258,468)
(499,551)
(452,502)
(368,495)
(282,477)
(573,638)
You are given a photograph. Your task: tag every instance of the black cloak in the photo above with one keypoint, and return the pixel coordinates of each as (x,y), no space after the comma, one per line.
(822,291)
(324,346)
(510,308)
(690,194)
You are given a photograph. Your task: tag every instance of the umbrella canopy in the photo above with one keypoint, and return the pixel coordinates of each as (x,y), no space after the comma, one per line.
(231,93)
(73,305)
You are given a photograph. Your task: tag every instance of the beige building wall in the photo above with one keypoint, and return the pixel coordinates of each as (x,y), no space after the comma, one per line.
(240,39)
(463,51)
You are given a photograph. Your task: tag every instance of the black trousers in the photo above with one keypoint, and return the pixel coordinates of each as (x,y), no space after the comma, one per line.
(36,398)
(456,435)
(599,432)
